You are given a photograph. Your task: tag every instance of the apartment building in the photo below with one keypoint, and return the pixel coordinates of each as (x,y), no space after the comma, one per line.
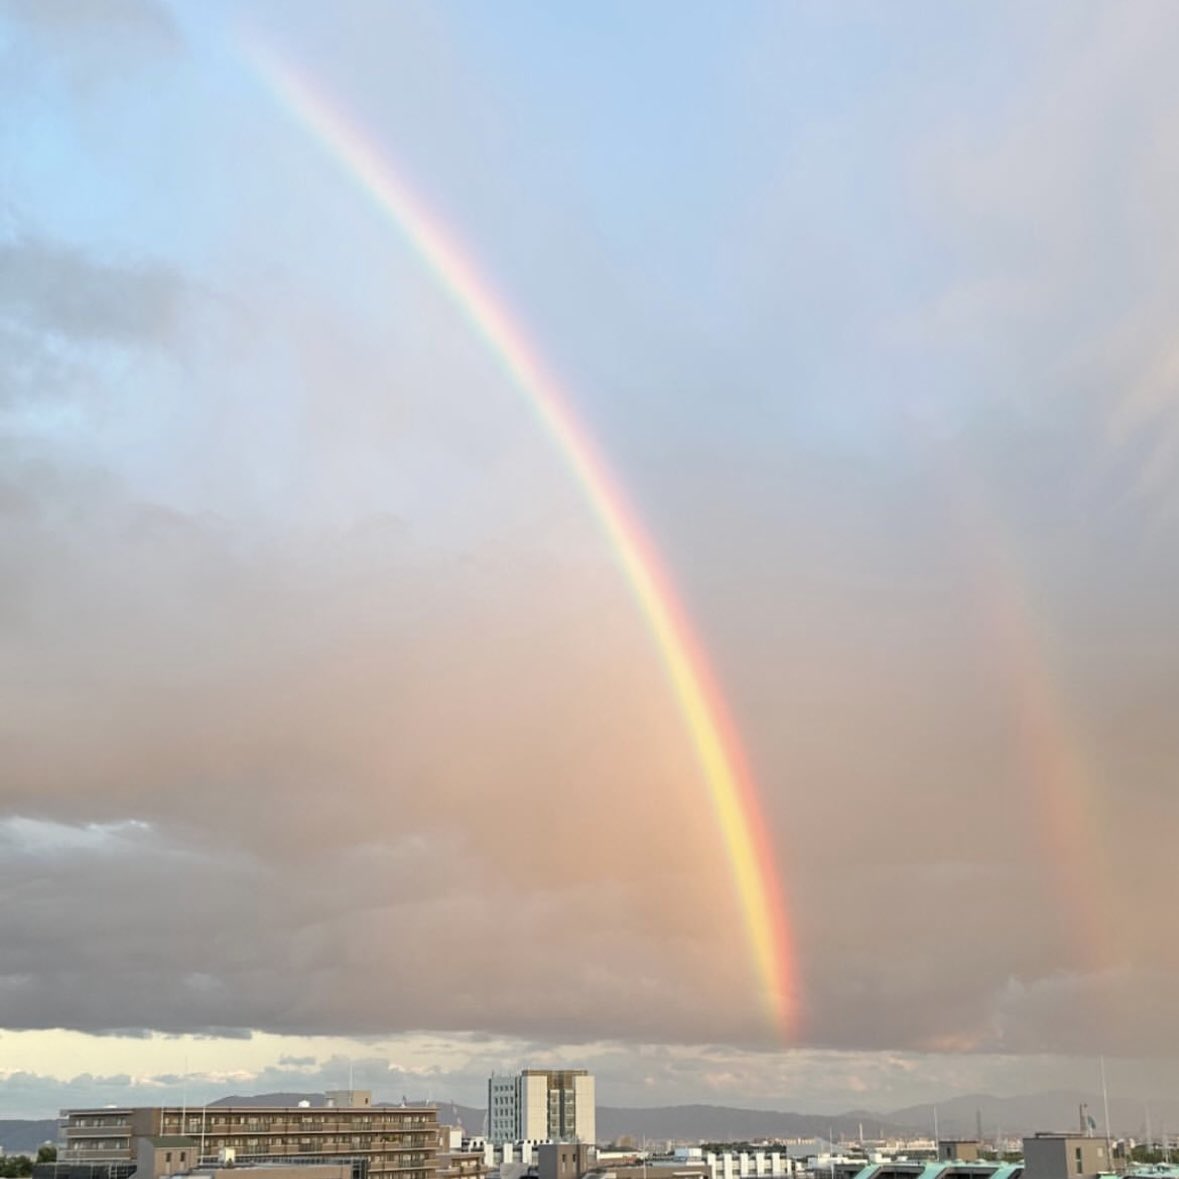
(381,1142)
(542,1105)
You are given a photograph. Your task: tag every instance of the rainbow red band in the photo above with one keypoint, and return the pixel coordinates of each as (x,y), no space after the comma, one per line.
(731,786)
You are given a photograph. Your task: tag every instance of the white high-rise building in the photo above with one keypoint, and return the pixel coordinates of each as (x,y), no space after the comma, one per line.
(542,1105)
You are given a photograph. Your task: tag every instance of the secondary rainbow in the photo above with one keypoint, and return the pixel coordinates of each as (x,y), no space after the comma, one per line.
(731,786)
(1051,750)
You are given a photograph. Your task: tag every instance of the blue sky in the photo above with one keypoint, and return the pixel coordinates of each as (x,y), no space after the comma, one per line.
(871,311)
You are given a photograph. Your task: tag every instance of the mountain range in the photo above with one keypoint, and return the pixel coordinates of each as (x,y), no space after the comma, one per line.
(957,1117)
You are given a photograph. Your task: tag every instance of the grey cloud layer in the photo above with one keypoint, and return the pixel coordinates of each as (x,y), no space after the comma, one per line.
(60,291)
(114,29)
(258,775)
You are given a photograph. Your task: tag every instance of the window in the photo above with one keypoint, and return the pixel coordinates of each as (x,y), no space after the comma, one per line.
(1078,1155)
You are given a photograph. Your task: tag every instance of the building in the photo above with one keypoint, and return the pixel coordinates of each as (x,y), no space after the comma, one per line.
(458,1158)
(375,1142)
(658,1169)
(1065,1156)
(160,1158)
(958,1150)
(164,1156)
(564,1160)
(542,1105)
(886,1167)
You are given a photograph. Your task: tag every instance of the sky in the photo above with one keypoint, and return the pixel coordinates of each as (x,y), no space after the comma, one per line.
(333,733)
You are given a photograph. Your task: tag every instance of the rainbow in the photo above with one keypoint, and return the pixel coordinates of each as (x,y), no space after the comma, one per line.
(1048,749)
(731,786)
(1067,795)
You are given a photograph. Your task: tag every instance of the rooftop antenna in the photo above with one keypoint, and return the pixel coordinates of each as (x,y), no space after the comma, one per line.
(1105,1102)
(936,1135)
(184,1097)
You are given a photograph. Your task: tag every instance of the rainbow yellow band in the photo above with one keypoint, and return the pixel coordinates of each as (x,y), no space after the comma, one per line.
(731,786)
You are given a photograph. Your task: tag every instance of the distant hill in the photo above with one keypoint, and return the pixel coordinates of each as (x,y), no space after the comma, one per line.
(471,1119)
(449,1113)
(315,1100)
(1014,1116)
(23,1136)
(956,1116)
(718,1123)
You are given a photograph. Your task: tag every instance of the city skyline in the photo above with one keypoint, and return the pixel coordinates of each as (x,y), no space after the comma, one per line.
(633,537)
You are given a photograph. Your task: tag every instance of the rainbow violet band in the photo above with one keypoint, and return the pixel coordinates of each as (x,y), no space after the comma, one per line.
(731,786)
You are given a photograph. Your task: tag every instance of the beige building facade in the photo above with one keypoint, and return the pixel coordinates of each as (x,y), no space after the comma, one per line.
(542,1105)
(387,1142)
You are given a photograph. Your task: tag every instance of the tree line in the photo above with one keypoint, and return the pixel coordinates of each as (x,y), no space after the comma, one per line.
(18,1166)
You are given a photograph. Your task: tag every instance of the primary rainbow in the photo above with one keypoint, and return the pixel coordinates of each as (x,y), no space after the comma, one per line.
(731,786)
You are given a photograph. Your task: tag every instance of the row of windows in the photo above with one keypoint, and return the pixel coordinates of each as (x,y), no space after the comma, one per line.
(317,1146)
(368,1141)
(380,1121)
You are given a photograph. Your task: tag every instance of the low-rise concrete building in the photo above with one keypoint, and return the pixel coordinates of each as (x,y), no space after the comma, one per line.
(564,1160)
(961,1150)
(162,1156)
(459,1158)
(1065,1156)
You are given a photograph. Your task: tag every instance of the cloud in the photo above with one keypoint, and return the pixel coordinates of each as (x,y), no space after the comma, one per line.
(96,27)
(39,839)
(321,683)
(629,1074)
(300,750)
(64,292)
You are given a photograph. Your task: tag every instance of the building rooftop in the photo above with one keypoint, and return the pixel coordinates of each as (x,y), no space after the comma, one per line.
(195,1111)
